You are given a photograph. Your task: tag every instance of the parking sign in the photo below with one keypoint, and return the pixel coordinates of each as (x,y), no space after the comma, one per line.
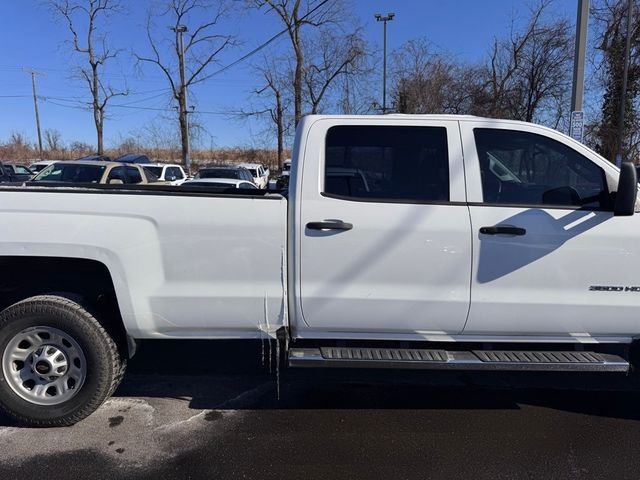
(577,125)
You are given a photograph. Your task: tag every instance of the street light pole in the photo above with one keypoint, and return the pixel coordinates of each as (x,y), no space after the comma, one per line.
(35,106)
(180,29)
(384,19)
(582,22)
(623,93)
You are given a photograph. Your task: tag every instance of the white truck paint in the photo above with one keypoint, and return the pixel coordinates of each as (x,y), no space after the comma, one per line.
(405,271)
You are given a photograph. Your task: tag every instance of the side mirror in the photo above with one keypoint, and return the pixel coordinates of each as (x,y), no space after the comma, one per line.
(115,181)
(627,191)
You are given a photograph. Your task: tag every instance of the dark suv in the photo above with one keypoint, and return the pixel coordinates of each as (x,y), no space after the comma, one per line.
(10,172)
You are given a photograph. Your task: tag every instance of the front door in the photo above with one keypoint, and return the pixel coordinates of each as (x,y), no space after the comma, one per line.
(385,246)
(546,246)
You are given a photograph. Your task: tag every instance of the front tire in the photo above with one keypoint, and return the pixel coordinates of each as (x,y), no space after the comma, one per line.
(57,362)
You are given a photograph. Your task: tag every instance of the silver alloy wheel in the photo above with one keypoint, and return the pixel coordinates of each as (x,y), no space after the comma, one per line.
(44,365)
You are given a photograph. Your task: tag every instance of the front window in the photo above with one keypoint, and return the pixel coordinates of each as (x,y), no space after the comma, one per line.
(523,168)
(71,173)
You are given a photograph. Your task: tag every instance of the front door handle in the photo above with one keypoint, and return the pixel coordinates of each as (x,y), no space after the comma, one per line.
(502,230)
(329,225)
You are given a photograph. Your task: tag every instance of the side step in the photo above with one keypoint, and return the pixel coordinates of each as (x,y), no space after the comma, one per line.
(353,357)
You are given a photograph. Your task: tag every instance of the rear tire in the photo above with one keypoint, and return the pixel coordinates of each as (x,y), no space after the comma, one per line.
(57,362)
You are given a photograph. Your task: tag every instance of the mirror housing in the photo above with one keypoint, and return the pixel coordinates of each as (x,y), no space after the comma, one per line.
(627,193)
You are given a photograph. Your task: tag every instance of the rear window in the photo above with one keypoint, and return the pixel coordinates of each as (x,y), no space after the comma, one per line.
(383,163)
(219,173)
(211,184)
(71,173)
(157,171)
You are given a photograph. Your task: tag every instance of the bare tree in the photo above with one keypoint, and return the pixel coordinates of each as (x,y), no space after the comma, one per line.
(277,90)
(190,55)
(82,18)
(425,81)
(53,138)
(330,58)
(529,71)
(295,15)
(275,96)
(611,32)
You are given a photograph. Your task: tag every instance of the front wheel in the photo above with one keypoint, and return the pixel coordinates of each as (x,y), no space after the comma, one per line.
(58,363)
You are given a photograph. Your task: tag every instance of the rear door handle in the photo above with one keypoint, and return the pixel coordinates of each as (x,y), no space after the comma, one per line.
(330,225)
(502,230)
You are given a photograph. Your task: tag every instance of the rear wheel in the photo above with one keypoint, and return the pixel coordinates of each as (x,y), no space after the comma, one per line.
(58,363)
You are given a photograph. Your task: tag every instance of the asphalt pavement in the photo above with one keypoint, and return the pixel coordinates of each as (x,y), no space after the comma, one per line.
(192,409)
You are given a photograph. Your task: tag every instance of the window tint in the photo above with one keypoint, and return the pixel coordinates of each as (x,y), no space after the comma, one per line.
(527,169)
(387,163)
(69,172)
(134,175)
(220,173)
(174,172)
(249,186)
(157,171)
(116,173)
(22,170)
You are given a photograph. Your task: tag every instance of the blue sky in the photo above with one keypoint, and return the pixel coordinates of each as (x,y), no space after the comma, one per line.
(32,38)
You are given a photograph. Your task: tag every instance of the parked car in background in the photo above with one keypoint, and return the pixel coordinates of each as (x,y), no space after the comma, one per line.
(7,174)
(95,158)
(36,167)
(346,181)
(258,172)
(15,173)
(281,182)
(219,183)
(233,172)
(93,172)
(133,158)
(170,173)
(286,167)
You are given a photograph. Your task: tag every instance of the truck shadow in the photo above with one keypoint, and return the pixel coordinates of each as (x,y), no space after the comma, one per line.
(545,234)
(233,377)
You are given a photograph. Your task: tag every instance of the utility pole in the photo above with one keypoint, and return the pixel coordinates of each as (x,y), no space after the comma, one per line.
(577,92)
(384,19)
(35,105)
(623,93)
(184,113)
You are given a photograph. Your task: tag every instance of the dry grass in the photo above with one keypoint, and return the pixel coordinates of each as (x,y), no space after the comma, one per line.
(26,154)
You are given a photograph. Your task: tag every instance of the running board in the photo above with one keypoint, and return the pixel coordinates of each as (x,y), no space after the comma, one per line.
(351,357)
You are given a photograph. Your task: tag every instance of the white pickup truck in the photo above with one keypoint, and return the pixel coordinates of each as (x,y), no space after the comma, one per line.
(471,243)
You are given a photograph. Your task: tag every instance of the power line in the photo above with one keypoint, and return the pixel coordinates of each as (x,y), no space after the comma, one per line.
(267,43)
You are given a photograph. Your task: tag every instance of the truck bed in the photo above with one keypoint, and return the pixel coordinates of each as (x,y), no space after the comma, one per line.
(199,263)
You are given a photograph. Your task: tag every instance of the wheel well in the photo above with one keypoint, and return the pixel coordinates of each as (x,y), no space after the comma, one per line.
(87,282)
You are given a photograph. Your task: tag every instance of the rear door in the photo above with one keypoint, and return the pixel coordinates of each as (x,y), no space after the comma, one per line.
(385,243)
(546,246)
